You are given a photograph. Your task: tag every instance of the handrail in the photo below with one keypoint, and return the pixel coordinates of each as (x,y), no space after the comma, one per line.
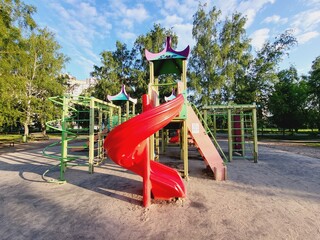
(209,132)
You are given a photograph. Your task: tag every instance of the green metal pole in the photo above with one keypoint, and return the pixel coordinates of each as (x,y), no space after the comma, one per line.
(91,135)
(64,140)
(255,135)
(100,148)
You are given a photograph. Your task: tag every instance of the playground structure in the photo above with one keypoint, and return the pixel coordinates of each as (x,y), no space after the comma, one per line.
(241,121)
(132,144)
(171,62)
(83,118)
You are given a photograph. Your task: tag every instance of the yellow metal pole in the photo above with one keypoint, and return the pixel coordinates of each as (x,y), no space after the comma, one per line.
(243,132)
(185,150)
(127,110)
(230,138)
(184,124)
(151,138)
(156,135)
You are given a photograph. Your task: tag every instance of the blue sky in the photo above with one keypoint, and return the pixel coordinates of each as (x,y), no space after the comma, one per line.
(85,28)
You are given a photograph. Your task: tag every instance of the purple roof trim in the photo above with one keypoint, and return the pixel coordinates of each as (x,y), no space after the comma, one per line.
(157,56)
(122,94)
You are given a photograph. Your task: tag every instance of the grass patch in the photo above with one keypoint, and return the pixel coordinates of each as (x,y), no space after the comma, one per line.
(288,137)
(4,137)
(313,144)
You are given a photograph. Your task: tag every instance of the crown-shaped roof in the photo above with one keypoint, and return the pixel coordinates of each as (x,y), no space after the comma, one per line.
(168,60)
(122,96)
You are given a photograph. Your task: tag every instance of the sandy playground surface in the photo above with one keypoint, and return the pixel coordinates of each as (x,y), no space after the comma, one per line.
(276,198)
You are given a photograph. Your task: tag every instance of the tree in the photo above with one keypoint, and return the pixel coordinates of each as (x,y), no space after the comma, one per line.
(288,102)
(30,64)
(154,41)
(204,79)
(15,20)
(314,86)
(221,66)
(236,57)
(38,72)
(129,67)
(263,69)
(115,70)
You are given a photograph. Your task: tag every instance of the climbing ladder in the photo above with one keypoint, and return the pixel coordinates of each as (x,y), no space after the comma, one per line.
(241,121)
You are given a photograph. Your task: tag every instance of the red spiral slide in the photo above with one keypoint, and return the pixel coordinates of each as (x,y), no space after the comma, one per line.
(127,146)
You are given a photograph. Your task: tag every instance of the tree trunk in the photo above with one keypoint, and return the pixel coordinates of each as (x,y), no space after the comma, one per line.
(43,129)
(26,132)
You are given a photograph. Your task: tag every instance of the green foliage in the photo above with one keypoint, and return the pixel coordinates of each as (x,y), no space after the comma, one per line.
(15,18)
(204,78)
(314,87)
(288,102)
(129,67)
(236,57)
(114,71)
(30,64)
(222,67)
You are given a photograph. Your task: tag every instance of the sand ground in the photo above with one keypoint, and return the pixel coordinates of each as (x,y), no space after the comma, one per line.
(276,198)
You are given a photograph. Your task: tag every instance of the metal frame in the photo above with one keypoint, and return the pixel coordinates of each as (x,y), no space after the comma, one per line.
(242,110)
(96,109)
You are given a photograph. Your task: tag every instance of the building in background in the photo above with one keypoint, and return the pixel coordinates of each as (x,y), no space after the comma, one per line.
(76,87)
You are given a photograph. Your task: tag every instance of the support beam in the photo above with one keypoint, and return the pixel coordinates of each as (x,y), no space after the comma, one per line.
(91,135)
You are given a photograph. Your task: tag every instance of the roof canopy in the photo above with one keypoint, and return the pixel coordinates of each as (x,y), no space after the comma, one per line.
(168,60)
(122,96)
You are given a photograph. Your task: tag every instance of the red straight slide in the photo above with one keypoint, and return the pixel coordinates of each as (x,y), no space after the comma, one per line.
(127,146)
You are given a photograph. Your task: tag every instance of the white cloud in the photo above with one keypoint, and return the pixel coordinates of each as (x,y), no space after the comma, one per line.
(182,9)
(227,7)
(184,33)
(250,14)
(138,14)
(171,5)
(85,10)
(312,3)
(275,19)
(259,37)
(171,20)
(126,18)
(250,8)
(85,63)
(60,10)
(127,35)
(308,20)
(79,25)
(305,37)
